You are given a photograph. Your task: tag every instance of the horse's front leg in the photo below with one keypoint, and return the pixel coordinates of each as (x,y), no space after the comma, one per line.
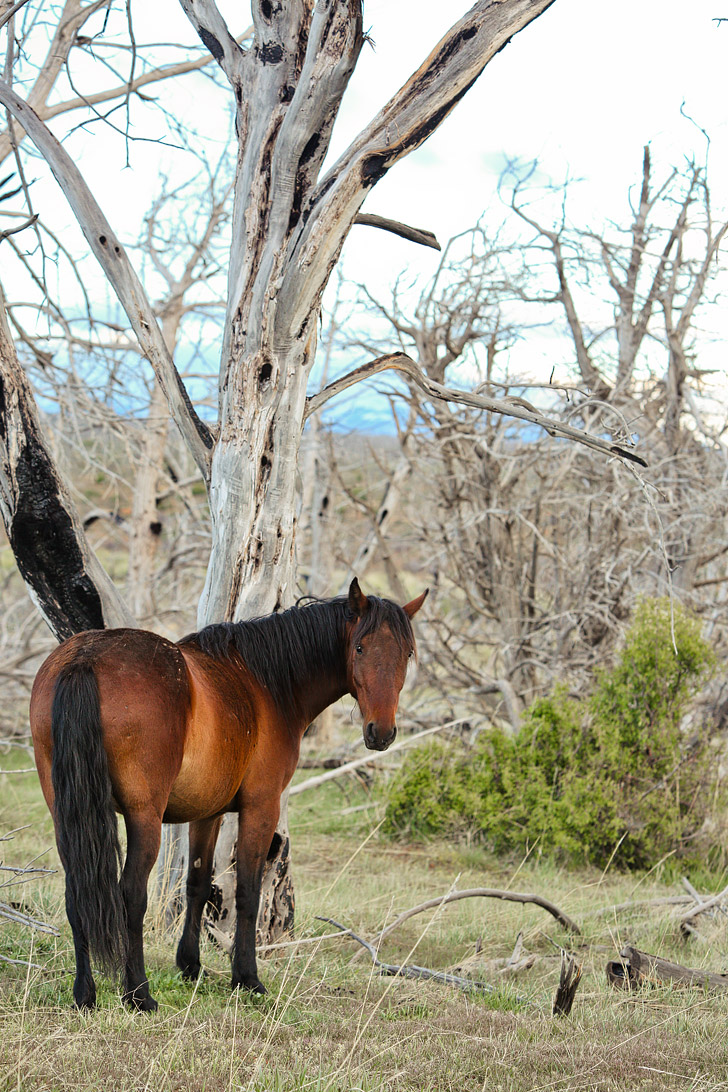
(143,832)
(203,836)
(256,827)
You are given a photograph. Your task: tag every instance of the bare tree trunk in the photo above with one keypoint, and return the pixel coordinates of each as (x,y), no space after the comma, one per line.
(259,455)
(251,573)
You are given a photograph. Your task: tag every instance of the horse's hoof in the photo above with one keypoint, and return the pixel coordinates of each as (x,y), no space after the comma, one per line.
(254,986)
(84,994)
(140,1004)
(191,973)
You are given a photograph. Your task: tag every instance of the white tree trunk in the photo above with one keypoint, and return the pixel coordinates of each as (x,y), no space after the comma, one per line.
(251,573)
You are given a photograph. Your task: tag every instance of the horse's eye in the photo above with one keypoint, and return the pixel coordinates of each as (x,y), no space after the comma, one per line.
(410,654)
(359,649)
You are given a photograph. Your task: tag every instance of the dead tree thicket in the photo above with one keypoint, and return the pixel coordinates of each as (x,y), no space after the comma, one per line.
(288,226)
(538,550)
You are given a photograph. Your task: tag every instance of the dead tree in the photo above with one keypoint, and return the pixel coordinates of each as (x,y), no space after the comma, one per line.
(540,550)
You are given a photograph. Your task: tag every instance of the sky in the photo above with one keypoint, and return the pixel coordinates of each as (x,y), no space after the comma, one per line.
(582,89)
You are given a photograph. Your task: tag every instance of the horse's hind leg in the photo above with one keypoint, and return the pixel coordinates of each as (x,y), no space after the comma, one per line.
(84,987)
(203,836)
(143,836)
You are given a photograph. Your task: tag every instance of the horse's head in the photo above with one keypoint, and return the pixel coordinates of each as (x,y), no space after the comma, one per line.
(380,643)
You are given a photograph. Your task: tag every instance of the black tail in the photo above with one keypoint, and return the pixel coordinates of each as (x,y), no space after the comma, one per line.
(88,836)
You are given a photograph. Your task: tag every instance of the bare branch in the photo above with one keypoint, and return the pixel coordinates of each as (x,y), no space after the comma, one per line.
(410,970)
(155,75)
(403,125)
(314,782)
(9,14)
(415,235)
(482,893)
(510,407)
(703,906)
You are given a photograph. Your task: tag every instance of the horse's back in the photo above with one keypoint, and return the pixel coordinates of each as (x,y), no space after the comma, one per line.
(144,699)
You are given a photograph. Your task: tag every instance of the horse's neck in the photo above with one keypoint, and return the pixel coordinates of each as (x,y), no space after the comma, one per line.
(319,688)
(321,692)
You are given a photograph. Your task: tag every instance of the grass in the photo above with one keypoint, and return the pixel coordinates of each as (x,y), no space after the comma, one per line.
(331,1025)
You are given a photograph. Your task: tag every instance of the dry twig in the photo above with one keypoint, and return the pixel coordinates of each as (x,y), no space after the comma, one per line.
(410,970)
(19,918)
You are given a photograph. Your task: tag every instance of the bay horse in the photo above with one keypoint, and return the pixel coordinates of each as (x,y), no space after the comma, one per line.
(126,721)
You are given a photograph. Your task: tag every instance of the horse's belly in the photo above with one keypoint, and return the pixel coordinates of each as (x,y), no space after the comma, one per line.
(210,775)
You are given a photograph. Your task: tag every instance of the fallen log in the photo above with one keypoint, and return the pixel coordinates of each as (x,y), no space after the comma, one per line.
(635,969)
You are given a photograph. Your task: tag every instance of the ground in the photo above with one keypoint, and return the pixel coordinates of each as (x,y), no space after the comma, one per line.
(331,1024)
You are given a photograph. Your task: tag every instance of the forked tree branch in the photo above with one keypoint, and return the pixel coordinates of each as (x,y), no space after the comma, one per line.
(115,263)
(283,143)
(509,407)
(9,14)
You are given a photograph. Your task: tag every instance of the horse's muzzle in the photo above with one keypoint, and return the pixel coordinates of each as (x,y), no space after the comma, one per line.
(376,742)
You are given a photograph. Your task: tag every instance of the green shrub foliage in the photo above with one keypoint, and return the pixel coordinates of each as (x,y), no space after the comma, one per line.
(612,777)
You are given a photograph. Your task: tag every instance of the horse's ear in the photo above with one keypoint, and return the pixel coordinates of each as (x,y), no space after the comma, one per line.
(358,602)
(410,609)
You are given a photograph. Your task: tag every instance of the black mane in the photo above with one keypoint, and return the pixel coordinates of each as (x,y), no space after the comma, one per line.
(284,650)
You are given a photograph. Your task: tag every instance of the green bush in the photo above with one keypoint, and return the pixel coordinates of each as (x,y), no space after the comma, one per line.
(612,776)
